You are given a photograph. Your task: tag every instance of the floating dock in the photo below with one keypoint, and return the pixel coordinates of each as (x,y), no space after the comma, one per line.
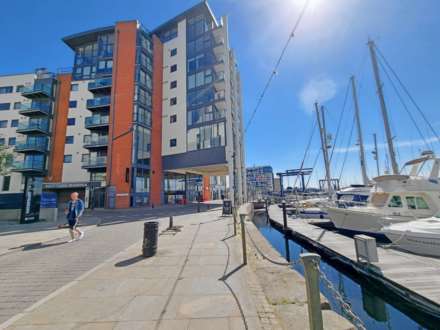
(414,278)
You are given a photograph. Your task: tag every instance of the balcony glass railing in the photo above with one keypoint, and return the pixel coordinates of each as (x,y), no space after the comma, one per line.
(32,145)
(95,161)
(96,140)
(100,83)
(29,164)
(38,89)
(36,106)
(96,121)
(40,125)
(98,102)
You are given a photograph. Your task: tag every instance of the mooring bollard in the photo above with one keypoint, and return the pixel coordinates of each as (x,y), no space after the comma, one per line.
(171,225)
(286,246)
(284,215)
(311,270)
(243,238)
(151,234)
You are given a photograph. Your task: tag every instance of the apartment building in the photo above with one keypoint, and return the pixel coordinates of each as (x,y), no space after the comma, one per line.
(145,117)
(260,181)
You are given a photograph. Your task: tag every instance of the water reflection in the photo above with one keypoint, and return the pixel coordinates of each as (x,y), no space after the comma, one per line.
(368,304)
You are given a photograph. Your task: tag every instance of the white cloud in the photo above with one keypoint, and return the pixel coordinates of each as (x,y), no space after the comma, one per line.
(317,90)
(398,144)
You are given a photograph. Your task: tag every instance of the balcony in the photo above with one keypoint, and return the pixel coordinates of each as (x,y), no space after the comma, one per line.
(102,85)
(99,103)
(96,122)
(34,127)
(96,142)
(39,146)
(35,109)
(219,49)
(219,64)
(29,166)
(99,162)
(37,91)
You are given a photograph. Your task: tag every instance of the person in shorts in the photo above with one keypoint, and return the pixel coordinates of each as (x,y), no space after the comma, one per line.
(74,211)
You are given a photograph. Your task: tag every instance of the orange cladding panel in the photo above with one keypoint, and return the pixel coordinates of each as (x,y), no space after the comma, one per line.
(206,188)
(59,127)
(156,174)
(121,112)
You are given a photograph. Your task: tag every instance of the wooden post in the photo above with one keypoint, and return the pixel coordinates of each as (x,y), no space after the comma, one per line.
(311,272)
(243,238)
(284,215)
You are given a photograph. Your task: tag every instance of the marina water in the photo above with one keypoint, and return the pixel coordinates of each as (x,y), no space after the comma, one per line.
(372,307)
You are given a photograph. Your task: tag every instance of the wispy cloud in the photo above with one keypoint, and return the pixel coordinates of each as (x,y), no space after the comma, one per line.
(317,90)
(398,144)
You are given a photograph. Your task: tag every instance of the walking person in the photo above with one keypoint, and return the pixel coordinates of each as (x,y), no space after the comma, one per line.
(73,212)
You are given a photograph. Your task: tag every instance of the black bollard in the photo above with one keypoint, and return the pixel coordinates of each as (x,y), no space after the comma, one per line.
(171,225)
(151,235)
(267,210)
(284,215)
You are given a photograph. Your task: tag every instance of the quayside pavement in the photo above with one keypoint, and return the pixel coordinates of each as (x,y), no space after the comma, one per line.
(195,281)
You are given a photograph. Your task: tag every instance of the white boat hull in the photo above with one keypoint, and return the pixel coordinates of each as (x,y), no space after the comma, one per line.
(414,243)
(354,219)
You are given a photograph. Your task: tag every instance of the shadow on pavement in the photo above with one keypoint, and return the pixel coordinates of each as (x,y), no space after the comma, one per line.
(131,261)
(35,246)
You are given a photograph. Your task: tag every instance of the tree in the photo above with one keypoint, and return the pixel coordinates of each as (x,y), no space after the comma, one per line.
(5,160)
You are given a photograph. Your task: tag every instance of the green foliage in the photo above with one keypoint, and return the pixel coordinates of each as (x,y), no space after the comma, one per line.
(5,160)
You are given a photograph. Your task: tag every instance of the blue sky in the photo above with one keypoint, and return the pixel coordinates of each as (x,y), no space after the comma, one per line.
(329,46)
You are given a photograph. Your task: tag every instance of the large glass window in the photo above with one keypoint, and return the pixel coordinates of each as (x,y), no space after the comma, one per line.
(200,96)
(395,201)
(204,137)
(205,114)
(143,146)
(200,78)
(421,203)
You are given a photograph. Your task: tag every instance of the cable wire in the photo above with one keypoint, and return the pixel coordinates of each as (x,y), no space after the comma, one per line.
(405,89)
(277,64)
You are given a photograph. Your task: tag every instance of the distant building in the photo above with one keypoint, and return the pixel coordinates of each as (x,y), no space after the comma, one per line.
(277,185)
(259,181)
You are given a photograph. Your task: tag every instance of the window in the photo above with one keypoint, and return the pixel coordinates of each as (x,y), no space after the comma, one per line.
(67,159)
(173,68)
(12,141)
(17,105)
(69,139)
(173,52)
(395,201)
(411,202)
(173,101)
(85,158)
(173,118)
(2,141)
(19,88)
(6,89)
(72,104)
(200,78)
(6,183)
(173,84)
(3,123)
(173,142)
(74,87)
(70,121)
(421,203)
(14,123)
(5,106)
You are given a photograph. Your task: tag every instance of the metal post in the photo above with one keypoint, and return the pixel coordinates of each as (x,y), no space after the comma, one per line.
(286,242)
(383,107)
(311,262)
(234,214)
(284,215)
(267,210)
(198,203)
(171,222)
(324,146)
(243,238)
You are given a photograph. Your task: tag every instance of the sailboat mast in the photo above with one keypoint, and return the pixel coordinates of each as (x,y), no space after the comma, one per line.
(359,131)
(323,135)
(376,154)
(383,107)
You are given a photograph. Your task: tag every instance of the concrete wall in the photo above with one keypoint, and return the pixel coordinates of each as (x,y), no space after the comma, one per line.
(176,130)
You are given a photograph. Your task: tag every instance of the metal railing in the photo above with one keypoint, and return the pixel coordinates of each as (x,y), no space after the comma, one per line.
(37,145)
(38,88)
(95,161)
(95,140)
(96,120)
(41,125)
(100,83)
(35,106)
(98,102)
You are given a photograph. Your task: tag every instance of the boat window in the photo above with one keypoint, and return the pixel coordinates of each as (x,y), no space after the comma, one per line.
(411,202)
(379,199)
(421,203)
(395,201)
